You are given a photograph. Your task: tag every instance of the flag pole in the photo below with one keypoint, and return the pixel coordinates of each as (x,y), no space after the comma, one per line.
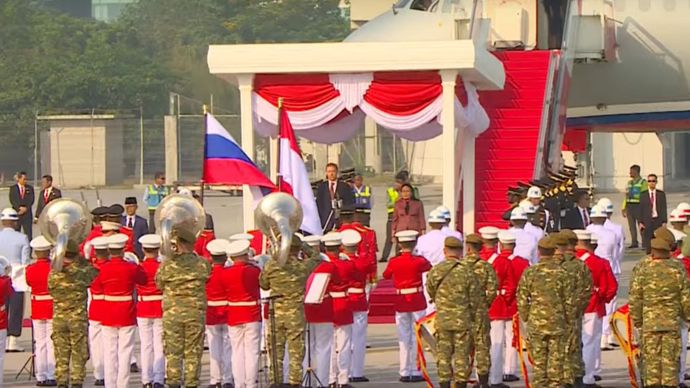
(280,111)
(201,181)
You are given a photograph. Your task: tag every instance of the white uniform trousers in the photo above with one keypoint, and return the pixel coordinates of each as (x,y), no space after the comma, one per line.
(3,338)
(510,363)
(407,342)
(96,349)
(501,333)
(607,335)
(152,356)
(119,346)
(245,342)
(319,347)
(219,352)
(359,343)
(591,333)
(683,350)
(44,355)
(341,355)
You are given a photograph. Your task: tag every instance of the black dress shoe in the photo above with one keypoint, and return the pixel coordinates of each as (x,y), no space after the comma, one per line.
(359,379)
(50,383)
(686,377)
(148,385)
(383,260)
(510,378)
(62,386)
(606,349)
(501,385)
(76,385)
(633,246)
(404,379)
(228,385)
(134,368)
(99,383)
(216,385)
(158,385)
(597,378)
(40,384)
(415,379)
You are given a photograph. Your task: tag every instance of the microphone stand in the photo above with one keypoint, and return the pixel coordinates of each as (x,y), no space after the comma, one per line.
(277,379)
(309,372)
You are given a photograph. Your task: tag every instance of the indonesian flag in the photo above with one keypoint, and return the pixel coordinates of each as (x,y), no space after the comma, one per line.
(293,176)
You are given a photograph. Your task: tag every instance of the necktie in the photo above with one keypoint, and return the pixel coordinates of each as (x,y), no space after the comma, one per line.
(332,189)
(585,219)
(130,222)
(46,195)
(653,201)
(21,191)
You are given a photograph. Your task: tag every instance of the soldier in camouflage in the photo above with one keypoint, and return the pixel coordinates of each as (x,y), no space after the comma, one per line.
(544,300)
(659,300)
(182,279)
(455,291)
(486,276)
(287,285)
(581,291)
(70,321)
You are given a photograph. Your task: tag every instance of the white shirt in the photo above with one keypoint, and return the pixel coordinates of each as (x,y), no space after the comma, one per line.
(430,246)
(452,233)
(535,231)
(654,213)
(620,237)
(607,246)
(14,246)
(525,245)
(129,219)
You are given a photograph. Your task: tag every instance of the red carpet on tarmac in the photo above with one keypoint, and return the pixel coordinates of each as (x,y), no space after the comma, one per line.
(381,303)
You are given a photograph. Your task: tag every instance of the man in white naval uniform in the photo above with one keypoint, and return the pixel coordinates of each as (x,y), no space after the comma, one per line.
(525,242)
(430,246)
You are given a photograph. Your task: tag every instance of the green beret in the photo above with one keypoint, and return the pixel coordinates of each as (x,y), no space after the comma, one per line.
(661,244)
(665,234)
(452,243)
(547,243)
(296,241)
(559,239)
(569,235)
(474,239)
(184,235)
(72,246)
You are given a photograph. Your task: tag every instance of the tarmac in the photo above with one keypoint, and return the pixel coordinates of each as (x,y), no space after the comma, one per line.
(382,356)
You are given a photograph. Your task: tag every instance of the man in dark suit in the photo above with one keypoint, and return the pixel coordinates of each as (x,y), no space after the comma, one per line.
(137,224)
(653,210)
(578,216)
(22,199)
(332,194)
(48,193)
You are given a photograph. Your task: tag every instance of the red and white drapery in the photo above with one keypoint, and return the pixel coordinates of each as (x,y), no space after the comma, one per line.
(330,108)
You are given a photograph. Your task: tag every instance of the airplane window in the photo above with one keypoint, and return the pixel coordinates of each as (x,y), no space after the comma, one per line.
(422,5)
(401,3)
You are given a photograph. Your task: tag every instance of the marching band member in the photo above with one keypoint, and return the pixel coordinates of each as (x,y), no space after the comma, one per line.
(5,292)
(358,304)
(96,215)
(406,271)
(42,312)
(525,243)
(342,312)
(676,218)
(15,247)
(319,316)
(499,313)
(489,236)
(96,345)
(241,282)
(216,316)
(518,265)
(368,248)
(116,281)
(604,287)
(150,316)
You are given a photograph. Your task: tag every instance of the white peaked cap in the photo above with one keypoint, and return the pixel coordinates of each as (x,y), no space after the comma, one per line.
(445,212)
(583,234)
(489,232)
(676,215)
(150,241)
(534,192)
(218,246)
(527,206)
(594,238)
(131,257)
(518,214)
(436,217)
(241,236)
(598,211)
(99,242)
(506,237)
(332,239)
(9,214)
(677,234)
(407,235)
(684,207)
(117,241)
(107,226)
(237,248)
(312,241)
(350,238)
(40,243)
(606,204)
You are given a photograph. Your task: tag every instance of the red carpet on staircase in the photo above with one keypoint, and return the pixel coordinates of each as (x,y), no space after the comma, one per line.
(505,153)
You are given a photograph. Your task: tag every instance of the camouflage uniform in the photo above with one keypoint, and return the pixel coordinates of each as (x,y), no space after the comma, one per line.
(659,299)
(581,291)
(544,300)
(455,291)
(70,321)
(287,285)
(486,276)
(182,279)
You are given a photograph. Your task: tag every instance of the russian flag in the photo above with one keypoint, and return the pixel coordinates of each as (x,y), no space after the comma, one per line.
(225,163)
(293,176)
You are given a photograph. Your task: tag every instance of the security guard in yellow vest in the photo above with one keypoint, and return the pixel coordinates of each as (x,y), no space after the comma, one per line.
(631,203)
(153,195)
(363,196)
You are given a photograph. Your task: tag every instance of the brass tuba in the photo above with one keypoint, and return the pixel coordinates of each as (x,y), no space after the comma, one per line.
(61,221)
(278,216)
(178,211)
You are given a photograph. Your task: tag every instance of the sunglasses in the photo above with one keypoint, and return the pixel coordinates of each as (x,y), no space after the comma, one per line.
(651,181)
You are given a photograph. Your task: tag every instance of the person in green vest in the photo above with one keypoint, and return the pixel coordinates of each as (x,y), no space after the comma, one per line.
(392,196)
(153,195)
(631,203)
(363,197)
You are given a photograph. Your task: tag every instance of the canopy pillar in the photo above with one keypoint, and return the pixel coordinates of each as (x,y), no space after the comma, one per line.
(449,150)
(245,83)
(468,174)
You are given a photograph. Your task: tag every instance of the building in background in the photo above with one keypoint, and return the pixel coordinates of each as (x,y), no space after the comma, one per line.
(108,10)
